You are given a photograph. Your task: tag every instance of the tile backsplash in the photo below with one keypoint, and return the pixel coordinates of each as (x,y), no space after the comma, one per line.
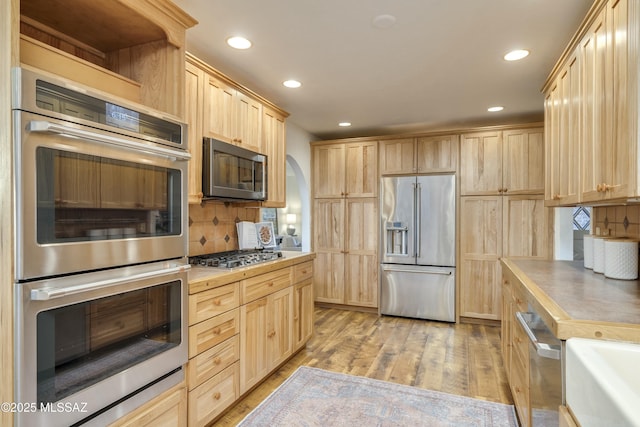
(618,221)
(212,226)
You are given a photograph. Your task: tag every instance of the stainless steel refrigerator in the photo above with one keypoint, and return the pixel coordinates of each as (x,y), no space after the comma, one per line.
(418,246)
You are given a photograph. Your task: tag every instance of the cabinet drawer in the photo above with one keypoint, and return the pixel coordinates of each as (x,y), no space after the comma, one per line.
(209,333)
(207,304)
(209,363)
(302,271)
(265,284)
(214,396)
(520,343)
(519,382)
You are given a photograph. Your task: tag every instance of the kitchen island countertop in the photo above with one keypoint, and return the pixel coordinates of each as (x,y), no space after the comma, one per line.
(203,278)
(576,302)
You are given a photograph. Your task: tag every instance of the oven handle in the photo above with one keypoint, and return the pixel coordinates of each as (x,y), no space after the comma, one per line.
(542,349)
(45,126)
(49,294)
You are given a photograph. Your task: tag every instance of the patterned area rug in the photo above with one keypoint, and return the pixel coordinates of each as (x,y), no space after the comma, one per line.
(314,397)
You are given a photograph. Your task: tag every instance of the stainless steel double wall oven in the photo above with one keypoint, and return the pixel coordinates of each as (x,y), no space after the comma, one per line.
(101,244)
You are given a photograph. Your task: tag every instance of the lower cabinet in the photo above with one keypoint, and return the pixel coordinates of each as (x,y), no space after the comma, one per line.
(240,332)
(515,346)
(167,410)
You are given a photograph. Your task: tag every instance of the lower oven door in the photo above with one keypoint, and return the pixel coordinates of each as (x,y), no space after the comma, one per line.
(85,343)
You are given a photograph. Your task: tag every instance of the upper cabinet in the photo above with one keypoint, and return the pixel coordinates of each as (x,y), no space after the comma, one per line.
(426,154)
(502,162)
(345,169)
(231,116)
(132,49)
(591,107)
(217,107)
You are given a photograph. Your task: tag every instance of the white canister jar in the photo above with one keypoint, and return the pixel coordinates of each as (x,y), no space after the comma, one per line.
(621,259)
(588,251)
(598,254)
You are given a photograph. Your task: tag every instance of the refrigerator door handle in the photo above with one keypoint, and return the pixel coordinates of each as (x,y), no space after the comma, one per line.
(425,271)
(418,227)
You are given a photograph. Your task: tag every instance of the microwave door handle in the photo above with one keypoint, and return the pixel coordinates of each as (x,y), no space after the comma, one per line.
(45,126)
(542,349)
(49,294)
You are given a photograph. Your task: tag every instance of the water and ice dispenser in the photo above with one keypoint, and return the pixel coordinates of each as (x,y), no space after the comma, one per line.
(397,238)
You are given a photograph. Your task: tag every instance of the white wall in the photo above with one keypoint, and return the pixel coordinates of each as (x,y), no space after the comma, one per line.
(299,156)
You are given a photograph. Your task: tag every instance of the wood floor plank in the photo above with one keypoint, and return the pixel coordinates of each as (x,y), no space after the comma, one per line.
(461,359)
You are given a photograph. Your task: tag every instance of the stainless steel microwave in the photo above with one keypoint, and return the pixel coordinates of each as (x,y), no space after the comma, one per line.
(232,172)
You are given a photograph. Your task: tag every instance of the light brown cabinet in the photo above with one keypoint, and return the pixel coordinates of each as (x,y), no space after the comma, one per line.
(167,410)
(346,246)
(502,162)
(345,222)
(230,115)
(274,146)
(426,154)
(217,107)
(345,170)
(515,346)
(502,212)
(591,108)
(267,336)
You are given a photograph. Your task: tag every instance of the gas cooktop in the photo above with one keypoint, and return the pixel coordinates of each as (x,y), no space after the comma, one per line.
(233,259)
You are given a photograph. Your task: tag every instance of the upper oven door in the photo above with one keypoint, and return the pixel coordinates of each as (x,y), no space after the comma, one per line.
(88,199)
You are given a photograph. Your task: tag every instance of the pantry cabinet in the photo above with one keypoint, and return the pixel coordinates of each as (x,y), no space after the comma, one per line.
(219,108)
(502,212)
(345,222)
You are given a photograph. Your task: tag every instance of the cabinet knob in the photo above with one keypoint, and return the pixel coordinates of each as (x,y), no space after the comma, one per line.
(216,331)
(216,395)
(217,361)
(556,197)
(216,301)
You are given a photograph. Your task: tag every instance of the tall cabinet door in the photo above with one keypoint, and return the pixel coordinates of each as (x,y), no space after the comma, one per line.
(361,170)
(361,260)
(527,231)
(481,162)
(328,171)
(328,230)
(523,159)
(480,252)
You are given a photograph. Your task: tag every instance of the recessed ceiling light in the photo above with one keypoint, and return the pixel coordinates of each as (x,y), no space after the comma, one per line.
(344,124)
(292,83)
(495,109)
(238,42)
(515,55)
(383,21)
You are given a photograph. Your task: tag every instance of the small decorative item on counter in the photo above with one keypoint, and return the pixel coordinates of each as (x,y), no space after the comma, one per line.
(621,259)
(598,254)
(588,251)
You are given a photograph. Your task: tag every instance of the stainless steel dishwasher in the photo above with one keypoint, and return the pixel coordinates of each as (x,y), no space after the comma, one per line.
(546,385)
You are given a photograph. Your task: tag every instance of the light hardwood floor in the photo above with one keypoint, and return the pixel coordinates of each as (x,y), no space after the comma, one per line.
(463,359)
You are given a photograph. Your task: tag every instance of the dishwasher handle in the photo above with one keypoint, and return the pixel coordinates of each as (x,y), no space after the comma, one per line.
(542,349)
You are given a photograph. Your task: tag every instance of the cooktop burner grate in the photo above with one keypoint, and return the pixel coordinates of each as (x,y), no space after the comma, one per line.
(234,259)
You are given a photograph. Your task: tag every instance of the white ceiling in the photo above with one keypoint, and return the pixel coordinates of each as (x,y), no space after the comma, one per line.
(439,65)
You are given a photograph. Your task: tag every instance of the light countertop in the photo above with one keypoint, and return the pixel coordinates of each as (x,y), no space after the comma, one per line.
(576,302)
(202,278)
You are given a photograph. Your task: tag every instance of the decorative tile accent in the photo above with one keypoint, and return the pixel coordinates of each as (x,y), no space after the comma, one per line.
(581,218)
(203,240)
(237,220)
(215,221)
(625,223)
(227,238)
(190,222)
(606,222)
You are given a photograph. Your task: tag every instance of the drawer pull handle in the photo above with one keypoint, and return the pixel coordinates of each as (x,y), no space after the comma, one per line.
(216,301)
(216,331)
(217,395)
(270,284)
(217,361)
